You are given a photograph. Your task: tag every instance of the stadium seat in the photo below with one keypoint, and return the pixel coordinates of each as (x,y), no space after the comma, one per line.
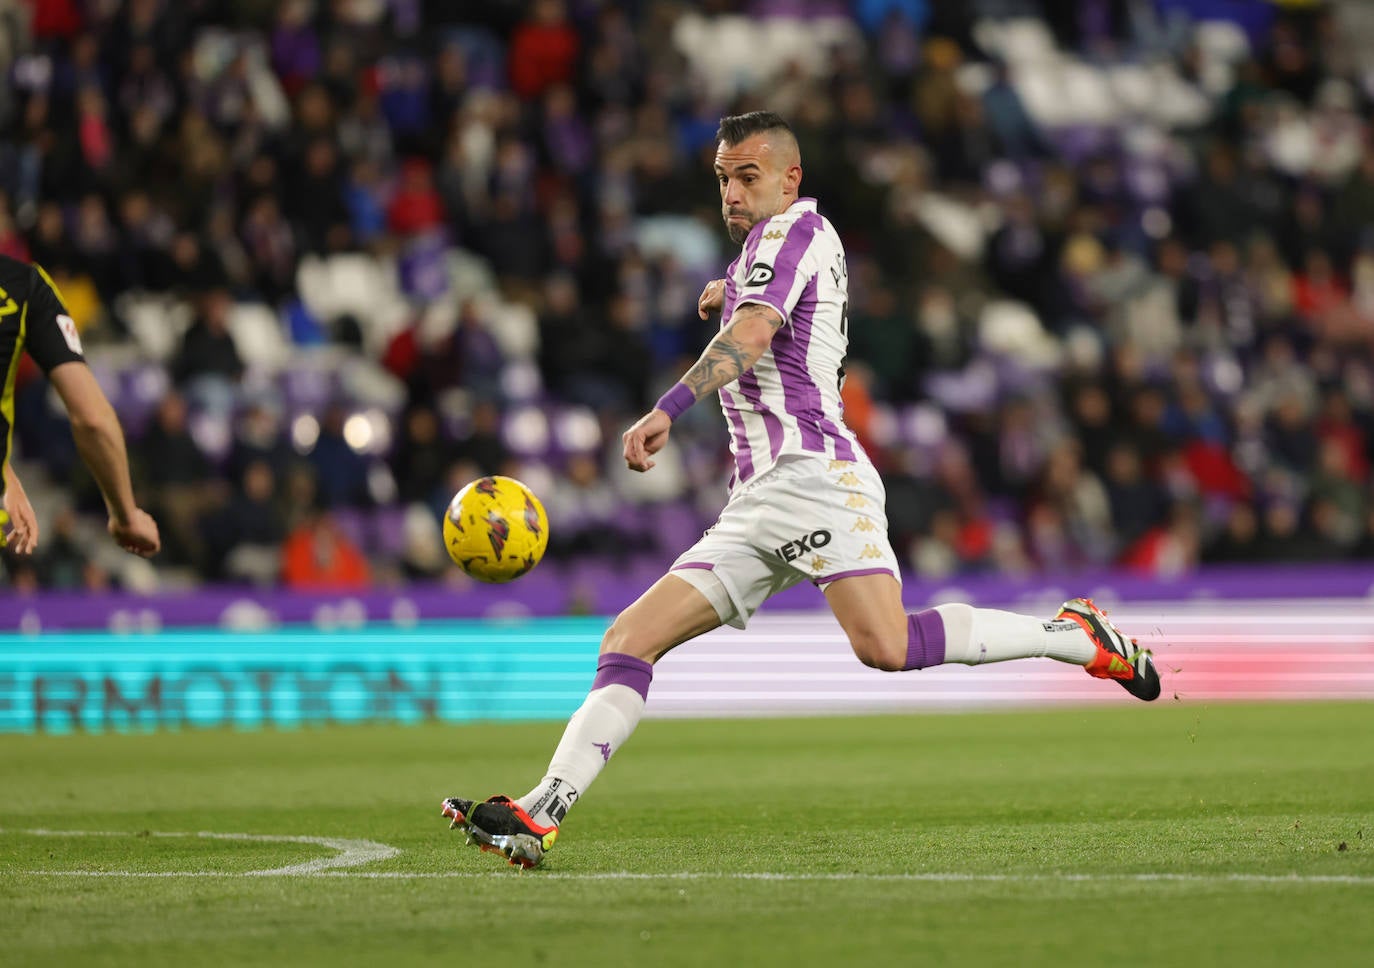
(142,387)
(677,526)
(155,321)
(258,337)
(525,430)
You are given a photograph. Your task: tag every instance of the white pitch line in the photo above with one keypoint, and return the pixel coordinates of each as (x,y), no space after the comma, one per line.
(351,852)
(354,852)
(940,877)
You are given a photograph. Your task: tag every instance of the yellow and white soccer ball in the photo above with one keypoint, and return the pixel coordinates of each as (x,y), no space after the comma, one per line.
(496,529)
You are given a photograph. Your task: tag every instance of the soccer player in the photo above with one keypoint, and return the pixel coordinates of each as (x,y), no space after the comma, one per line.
(805,501)
(33,318)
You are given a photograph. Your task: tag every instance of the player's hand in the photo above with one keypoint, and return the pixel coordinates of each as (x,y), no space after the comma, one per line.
(138,535)
(23,536)
(646,437)
(712,298)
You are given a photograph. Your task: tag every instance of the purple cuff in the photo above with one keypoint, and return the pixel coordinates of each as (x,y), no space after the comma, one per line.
(925,640)
(676,400)
(617,668)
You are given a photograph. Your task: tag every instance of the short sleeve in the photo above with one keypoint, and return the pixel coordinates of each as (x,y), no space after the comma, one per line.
(776,271)
(50,334)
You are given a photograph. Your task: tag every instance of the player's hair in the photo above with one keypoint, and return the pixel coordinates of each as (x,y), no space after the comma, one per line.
(736,128)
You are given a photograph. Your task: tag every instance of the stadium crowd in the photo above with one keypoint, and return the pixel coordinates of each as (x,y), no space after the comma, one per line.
(1111,269)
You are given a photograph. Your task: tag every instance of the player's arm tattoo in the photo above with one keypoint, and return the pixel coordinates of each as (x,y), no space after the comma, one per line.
(730,355)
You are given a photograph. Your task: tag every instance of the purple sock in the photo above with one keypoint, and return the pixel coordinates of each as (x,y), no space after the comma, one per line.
(617,668)
(925,640)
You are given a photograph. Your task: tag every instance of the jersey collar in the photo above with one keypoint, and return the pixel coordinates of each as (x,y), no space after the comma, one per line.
(806,204)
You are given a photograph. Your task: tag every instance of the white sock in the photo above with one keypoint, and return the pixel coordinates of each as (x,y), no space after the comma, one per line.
(977,635)
(600,726)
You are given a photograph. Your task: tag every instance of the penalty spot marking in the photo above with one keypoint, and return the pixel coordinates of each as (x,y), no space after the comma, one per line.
(350,853)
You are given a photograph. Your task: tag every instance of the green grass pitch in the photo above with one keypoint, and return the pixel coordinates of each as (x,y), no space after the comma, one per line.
(1131,835)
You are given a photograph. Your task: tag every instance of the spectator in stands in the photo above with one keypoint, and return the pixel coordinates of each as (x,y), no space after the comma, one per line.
(258,437)
(63,560)
(191,268)
(1137,502)
(340,470)
(244,539)
(422,456)
(589,513)
(180,482)
(49,244)
(416,207)
(318,557)
(481,445)
(315,200)
(208,365)
(271,246)
(543,50)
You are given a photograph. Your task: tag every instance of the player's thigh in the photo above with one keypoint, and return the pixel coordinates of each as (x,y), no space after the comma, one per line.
(668,614)
(869,609)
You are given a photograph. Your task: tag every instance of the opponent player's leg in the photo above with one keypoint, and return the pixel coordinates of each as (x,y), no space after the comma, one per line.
(869,609)
(668,614)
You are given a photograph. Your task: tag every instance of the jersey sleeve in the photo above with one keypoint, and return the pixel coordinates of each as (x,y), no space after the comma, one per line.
(777,270)
(50,334)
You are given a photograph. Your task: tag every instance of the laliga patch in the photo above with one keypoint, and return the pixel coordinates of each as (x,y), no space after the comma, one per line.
(69,333)
(760,275)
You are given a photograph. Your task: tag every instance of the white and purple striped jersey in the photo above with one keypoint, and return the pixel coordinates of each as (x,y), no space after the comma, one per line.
(789,402)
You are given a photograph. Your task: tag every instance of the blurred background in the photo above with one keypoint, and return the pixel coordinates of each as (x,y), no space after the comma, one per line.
(1111,272)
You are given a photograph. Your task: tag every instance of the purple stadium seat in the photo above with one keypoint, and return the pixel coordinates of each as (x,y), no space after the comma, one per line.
(677,526)
(1003,509)
(388,531)
(352,524)
(307,389)
(526,432)
(213,433)
(142,387)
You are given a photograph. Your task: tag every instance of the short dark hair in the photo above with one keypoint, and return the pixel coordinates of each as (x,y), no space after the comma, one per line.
(736,128)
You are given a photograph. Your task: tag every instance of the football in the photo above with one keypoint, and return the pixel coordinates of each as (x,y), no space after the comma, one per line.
(496,529)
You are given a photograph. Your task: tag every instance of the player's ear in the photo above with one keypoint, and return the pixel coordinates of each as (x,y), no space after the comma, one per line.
(791,179)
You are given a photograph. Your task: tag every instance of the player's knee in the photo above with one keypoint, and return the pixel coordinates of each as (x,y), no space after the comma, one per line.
(621,637)
(877,651)
(615,638)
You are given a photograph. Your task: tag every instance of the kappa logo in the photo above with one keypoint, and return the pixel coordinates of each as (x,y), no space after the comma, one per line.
(870,551)
(818,564)
(849,478)
(807,542)
(760,275)
(863,524)
(856,501)
(774,235)
(839,465)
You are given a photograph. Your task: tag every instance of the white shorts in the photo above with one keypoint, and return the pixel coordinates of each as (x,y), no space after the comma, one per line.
(805,518)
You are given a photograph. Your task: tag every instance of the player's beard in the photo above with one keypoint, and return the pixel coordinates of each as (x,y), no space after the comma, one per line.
(737,232)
